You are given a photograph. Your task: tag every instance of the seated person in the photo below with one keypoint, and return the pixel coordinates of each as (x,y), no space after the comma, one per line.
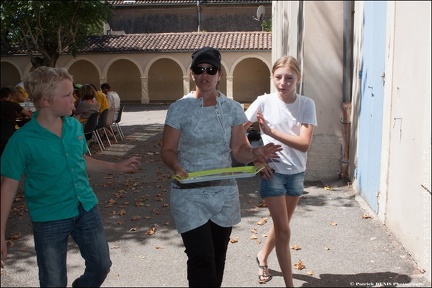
(88,104)
(101,99)
(9,109)
(76,94)
(112,97)
(20,94)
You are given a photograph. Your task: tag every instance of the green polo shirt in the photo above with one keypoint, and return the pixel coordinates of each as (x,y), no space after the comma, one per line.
(54,168)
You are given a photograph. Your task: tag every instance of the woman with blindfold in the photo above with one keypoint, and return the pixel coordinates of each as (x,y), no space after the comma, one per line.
(204,130)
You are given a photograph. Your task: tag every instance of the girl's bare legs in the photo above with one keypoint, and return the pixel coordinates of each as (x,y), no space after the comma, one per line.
(281,212)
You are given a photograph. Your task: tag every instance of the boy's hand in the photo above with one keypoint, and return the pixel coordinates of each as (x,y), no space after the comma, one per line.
(130,165)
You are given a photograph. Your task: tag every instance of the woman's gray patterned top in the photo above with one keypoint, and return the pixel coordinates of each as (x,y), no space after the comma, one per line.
(205,136)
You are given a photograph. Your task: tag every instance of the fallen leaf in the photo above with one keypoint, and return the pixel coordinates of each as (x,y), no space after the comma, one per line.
(159,247)
(295,247)
(112,201)
(253,237)
(156,211)
(328,188)
(366,216)
(310,273)
(262,221)
(254,230)
(234,240)
(133,229)
(333,223)
(262,204)
(299,265)
(136,217)
(15,236)
(326,248)
(151,231)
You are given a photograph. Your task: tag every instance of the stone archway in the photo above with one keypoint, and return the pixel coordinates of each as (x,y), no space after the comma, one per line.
(10,74)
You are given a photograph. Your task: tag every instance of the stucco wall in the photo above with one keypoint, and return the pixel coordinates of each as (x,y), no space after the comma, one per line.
(405,174)
(322,81)
(180,19)
(408,211)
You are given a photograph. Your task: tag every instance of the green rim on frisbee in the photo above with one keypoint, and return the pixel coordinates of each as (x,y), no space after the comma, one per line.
(219,174)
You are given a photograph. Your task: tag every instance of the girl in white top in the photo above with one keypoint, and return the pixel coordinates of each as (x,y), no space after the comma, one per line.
(288,119)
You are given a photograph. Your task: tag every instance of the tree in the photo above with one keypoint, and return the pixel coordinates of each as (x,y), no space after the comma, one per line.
(51,28)
(267,25)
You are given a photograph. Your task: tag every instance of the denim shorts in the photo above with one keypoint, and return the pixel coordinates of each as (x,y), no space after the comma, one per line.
(282,185)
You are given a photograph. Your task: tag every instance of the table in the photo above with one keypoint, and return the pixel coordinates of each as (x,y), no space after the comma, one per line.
(31,106)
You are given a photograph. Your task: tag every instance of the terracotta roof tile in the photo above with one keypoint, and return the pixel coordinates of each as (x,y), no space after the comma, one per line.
(178,42)
(169,42)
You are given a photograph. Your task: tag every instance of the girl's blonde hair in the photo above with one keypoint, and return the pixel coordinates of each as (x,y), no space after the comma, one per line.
(43,82)
(290,62)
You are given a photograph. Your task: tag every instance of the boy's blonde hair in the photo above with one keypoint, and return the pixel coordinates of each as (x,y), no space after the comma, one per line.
(43,82)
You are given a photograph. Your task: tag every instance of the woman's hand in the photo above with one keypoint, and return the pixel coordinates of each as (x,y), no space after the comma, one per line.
(267,151)
(179,172)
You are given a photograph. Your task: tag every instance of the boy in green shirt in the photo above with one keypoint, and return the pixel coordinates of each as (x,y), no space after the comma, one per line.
(50,152)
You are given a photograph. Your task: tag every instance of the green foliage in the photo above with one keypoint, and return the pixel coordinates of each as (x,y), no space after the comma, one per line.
(51,28)
(267,25)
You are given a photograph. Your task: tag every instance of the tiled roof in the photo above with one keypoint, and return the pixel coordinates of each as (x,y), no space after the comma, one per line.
(178,42)
(148,3)
(170,42)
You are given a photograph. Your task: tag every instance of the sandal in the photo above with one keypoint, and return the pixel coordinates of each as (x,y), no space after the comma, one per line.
(265,276)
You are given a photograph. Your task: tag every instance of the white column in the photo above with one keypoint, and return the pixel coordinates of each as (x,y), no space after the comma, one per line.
(230,81)
(186,85)
(144,91)
(284,30)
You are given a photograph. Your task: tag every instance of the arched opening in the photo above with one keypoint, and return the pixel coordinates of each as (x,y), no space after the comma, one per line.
(165,81)
(9,75)
(251,79)
(84,72)
(124,78)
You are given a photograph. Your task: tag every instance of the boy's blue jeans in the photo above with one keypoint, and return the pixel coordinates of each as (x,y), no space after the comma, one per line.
(51,241)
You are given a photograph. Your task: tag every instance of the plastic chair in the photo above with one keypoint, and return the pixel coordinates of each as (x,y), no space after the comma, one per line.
(101,126)
(90,131)
(117,121)
(110,122)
